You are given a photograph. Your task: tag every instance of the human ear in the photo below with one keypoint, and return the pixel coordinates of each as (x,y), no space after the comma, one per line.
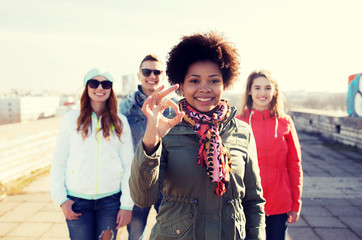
(181,88)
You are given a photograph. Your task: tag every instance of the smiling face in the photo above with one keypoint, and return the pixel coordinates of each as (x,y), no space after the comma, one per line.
(152,82)
(203,86)
(98,95)
(262,92)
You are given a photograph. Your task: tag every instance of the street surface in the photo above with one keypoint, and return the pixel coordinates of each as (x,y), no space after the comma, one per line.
(332,201)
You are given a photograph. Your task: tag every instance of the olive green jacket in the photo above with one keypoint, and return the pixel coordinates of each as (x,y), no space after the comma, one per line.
(190,208)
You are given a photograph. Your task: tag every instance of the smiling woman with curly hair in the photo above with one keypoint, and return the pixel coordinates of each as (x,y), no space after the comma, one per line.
(204,159)
(203,47)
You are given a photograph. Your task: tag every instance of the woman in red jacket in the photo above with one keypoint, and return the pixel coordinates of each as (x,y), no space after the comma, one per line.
(279,153)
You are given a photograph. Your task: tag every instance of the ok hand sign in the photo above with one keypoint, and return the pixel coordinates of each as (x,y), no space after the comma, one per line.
(157,124)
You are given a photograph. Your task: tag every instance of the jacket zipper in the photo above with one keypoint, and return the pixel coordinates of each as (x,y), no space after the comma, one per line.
(264,126)
(97,136)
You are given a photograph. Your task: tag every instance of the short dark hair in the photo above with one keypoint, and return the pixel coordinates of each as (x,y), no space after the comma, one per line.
(210,46)
(151,57)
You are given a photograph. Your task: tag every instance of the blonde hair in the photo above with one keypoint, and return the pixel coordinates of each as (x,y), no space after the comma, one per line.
(276,105)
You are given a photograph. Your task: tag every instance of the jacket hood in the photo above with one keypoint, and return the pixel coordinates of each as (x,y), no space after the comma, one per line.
(255,114)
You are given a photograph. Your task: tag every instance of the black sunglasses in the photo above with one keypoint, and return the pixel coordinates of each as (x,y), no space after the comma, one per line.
(147,72)
(93,83)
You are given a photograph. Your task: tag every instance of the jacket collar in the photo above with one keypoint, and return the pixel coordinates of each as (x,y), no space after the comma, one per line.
(94,116)
(139,97)
(266,114)
(257,114)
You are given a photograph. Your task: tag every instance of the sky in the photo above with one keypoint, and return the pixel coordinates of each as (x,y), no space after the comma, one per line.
(309,45)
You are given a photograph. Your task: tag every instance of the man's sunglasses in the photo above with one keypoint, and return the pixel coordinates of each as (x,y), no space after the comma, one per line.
(93,83)
(147,72)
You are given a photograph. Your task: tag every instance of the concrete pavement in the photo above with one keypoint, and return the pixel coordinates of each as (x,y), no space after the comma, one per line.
(34,216)
(332,193)
(332,201)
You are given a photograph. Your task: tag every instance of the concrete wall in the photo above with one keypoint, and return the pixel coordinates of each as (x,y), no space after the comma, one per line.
(26,147)
(337,127)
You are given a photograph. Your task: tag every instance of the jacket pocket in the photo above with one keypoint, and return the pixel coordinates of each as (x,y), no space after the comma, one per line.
(175,219)
(178,227)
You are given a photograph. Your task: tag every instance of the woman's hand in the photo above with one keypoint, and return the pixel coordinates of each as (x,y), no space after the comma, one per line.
(293,217)
(68,212)
(123,217)
(157,124)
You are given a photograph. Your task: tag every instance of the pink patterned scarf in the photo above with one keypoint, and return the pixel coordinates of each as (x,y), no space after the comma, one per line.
(212,153)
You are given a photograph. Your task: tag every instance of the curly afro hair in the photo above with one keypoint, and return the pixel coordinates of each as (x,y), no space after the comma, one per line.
(209,46)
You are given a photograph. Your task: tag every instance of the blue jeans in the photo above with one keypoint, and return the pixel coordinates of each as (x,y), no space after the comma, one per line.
(276,226)
(97,216)
(138,222)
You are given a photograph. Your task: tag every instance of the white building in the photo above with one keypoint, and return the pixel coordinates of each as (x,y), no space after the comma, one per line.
(9,110)
(129,84)
(27,108)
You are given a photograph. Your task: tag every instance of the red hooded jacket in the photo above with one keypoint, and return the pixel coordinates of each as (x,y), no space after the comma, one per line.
(279,157)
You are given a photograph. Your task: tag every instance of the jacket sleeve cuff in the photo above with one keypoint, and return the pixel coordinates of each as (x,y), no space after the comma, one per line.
(61,202)
(126,208)
(297,206)
(151,161)
(126,201)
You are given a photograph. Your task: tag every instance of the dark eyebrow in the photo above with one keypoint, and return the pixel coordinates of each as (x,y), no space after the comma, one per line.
(212,75)
(255,85)
(193,75)
(215,75)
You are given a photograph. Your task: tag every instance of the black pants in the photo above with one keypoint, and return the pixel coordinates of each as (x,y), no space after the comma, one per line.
(276,226)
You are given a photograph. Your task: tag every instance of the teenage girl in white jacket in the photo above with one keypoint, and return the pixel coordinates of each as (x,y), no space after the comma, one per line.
(91,163)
